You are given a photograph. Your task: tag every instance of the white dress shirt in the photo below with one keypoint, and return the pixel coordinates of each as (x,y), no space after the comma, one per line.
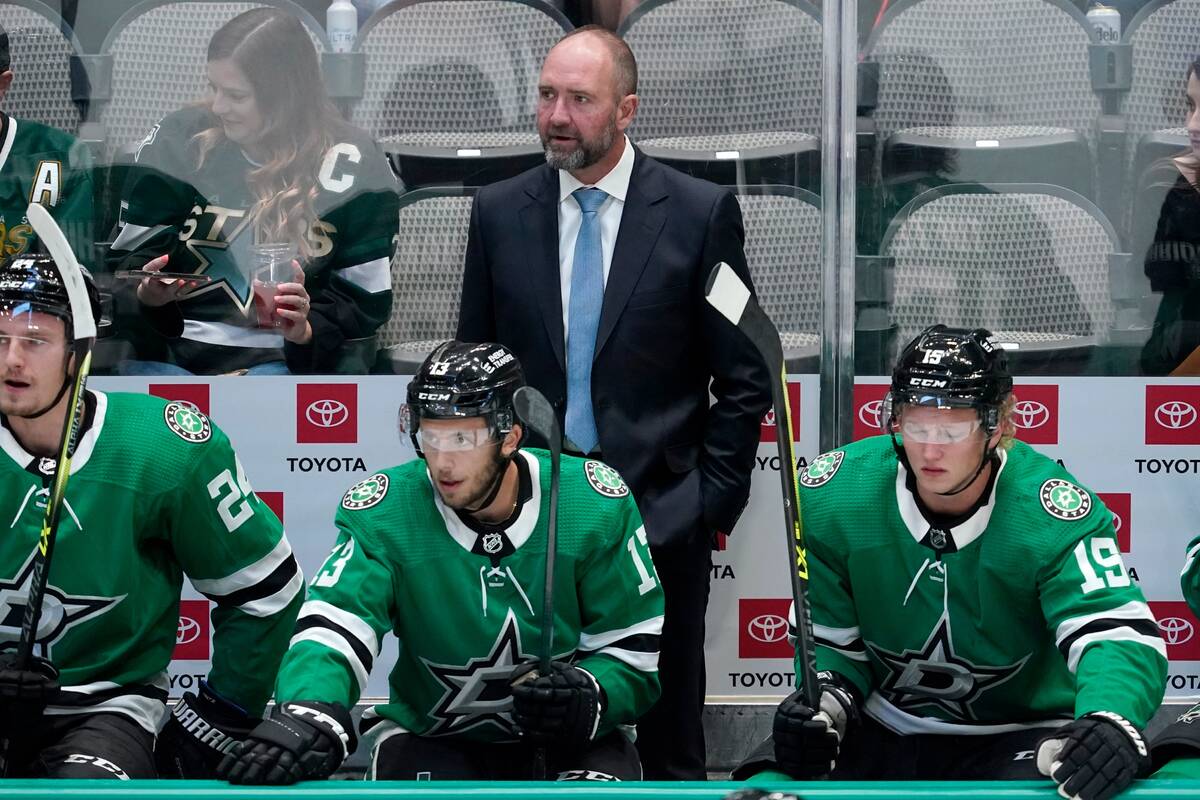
(615,184)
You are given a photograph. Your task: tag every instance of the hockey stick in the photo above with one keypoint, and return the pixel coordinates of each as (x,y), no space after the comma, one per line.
(83,336)
(726,292)
(535,411)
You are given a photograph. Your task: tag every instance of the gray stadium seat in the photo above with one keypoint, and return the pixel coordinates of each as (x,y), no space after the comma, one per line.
(450,87)
(41,59)
(153,59)
(783,249)
(973,91)
(730,91)
(427,274)
(1031,262)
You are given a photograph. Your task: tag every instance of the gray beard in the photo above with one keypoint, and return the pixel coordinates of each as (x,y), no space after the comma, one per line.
(582,156)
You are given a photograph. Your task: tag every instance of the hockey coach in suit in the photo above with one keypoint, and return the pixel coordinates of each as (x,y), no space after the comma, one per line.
(592,270)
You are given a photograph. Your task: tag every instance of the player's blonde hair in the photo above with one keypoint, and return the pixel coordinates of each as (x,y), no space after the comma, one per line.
(1008,429)
(274,51)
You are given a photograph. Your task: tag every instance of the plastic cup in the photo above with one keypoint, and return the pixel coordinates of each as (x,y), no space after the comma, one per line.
(272,265)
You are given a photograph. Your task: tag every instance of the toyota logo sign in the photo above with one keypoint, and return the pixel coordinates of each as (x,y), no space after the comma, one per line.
(187,632)
(868,413)
(1175,415)
(327,413)
(1176,630)
(767,628)
(1030,414)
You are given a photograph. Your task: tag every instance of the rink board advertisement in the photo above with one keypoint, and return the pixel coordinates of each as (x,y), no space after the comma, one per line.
(1134,442)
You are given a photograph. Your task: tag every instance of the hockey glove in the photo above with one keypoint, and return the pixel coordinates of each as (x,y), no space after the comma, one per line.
(202,729)
(1094,758)
(24,693)
(560,710)
(807,741)
(299,741)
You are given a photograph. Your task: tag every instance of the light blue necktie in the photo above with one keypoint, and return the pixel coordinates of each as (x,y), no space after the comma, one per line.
(583,319)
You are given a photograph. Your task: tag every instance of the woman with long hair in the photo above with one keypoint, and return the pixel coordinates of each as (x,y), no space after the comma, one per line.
(264,167)
(1172,261)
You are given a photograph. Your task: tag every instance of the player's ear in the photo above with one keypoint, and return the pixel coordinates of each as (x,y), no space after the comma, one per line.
(6,79)
(513,440)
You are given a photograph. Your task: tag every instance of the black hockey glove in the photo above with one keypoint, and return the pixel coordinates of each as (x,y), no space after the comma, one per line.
(807,741)
(1095,757)
(24,693)
(299,741)
(202,729)
(560,710)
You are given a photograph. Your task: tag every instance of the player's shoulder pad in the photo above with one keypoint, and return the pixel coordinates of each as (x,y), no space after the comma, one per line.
(603,479)
(367,493)
(821,469)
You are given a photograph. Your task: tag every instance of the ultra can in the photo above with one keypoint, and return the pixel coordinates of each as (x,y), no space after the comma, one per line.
(1106,22)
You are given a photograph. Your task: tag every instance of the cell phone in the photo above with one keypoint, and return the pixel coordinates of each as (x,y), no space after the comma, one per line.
(139,274)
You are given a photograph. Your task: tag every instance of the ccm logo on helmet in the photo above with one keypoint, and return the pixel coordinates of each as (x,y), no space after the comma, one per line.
(433,395)
(932,383)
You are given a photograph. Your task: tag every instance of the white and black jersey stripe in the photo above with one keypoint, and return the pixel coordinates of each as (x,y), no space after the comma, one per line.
(342,632)
(636,646)
(144,703)
(1132,622)
(846,641)
(264,588)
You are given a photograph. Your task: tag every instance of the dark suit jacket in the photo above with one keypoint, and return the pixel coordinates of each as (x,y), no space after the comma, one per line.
(658,345)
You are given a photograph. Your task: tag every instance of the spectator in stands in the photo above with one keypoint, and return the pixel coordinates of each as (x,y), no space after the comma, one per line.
(592,268)
(43,165)
(1172,260)
(266,158)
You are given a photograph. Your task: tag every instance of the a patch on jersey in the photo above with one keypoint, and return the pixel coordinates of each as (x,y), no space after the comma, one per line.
(1065,500)
(492,542)
(605,480)
(46,465)
(187,423)
(822,469)
(366,493)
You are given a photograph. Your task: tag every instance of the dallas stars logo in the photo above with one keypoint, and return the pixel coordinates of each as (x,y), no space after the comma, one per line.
(822,469)
(1065,500)
(478,694)
(605,480)
(60,611)
(935,676)
(366,493)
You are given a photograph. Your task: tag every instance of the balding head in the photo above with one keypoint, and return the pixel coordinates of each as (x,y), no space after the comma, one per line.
(622,66)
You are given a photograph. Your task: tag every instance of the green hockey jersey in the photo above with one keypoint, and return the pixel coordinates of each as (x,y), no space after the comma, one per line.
(1189,578)
(40,164)
(404,562)
(1023,614)
(155,492)
(200,216)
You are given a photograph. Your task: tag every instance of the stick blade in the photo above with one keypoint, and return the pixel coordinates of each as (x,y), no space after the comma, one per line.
(52,237)
(535,411)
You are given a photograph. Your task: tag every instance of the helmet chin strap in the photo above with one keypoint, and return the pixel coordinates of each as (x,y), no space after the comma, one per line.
(989,455)
(62,390)
(497,482)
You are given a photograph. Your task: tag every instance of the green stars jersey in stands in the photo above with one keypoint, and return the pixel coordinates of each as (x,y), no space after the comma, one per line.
(1023,613)
(403,562)
(39,164)
(155,492)
(199,215)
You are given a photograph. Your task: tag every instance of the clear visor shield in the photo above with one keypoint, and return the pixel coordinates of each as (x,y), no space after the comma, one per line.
(455,440)
(30,326)
(925,432)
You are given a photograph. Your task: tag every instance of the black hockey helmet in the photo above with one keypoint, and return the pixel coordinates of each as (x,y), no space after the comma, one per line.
(951,368)
(460,380)
(32,282)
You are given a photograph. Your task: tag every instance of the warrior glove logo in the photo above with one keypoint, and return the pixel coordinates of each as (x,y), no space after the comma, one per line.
(186,423)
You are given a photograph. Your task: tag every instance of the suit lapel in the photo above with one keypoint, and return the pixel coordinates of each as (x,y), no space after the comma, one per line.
(540,218)
(641,221)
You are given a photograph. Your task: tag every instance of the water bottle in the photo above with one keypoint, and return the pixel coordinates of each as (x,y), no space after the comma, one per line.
(341,25)
(1107,23)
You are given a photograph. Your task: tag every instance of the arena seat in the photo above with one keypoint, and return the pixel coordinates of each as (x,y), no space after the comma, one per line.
(1031,262)
(730,92)
(982,92)
(41,46)
(427,273)
(450,88)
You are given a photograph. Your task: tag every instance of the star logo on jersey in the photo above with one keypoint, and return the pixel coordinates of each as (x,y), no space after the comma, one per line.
(822,469)
(366,493)
(935,676)
(1065,500)
(478,694)
(187,423)
(60,611)
(605,480)
(214,257)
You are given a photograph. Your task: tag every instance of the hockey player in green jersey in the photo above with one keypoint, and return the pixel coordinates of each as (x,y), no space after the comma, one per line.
(448,552)
(155,492)
(40,164)
(972,615)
